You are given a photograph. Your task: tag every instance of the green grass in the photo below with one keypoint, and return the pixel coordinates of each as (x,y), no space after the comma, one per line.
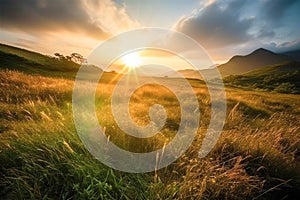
(41,156)
(280,78)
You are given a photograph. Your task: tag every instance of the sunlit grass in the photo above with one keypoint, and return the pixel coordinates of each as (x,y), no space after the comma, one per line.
(41,155)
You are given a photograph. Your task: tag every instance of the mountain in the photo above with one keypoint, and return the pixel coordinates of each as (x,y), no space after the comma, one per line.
(283,78)
(14,58)
(239,64)
(255,60)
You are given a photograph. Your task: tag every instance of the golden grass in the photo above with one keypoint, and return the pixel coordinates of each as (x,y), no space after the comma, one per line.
(257,154)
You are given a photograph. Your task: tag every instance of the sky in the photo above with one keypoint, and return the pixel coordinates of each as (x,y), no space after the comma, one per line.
(223,27)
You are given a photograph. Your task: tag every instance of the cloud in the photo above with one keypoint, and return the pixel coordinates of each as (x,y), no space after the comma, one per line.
(284,46)
(227,28)
(114,18)
(217,25)
(274,10)
(77,16)
(274,16)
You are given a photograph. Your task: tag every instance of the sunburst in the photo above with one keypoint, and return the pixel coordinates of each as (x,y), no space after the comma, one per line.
(132,60)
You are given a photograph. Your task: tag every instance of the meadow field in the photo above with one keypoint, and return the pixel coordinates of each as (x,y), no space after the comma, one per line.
(42,157)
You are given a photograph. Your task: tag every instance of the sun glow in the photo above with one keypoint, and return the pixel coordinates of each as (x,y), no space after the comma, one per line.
(132,60)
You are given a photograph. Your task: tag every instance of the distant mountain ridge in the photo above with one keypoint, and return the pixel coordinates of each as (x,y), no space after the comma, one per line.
(240,64)
(262,69)
(255,60)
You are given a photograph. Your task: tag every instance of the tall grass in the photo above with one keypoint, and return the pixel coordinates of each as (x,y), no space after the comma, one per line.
(41,156)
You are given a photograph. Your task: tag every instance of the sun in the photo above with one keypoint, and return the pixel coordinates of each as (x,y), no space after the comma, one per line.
(132,60)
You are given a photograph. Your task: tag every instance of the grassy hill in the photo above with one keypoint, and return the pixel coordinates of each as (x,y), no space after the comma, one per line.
(284,78)
(14,58)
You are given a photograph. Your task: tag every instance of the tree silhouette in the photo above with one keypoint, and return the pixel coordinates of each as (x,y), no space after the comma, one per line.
(77,58)
(74,57)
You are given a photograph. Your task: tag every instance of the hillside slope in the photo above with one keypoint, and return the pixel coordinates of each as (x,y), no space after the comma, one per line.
(283,78)
(14,58)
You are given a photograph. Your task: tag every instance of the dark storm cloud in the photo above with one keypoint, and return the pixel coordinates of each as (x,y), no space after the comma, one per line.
(280,18)
(227,23)
(48,15)
(274,10)
(217,25)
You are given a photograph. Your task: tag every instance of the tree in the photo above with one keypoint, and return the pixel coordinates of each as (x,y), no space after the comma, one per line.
(68,58)
(59,56)
(77,58)
(74,57)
